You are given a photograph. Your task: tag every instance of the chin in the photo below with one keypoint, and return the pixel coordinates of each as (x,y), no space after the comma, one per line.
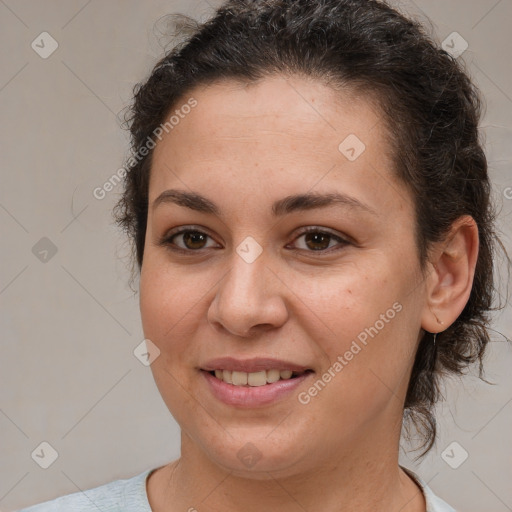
(257,457)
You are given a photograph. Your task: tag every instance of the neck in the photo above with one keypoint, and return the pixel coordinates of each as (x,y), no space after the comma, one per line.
(364,479)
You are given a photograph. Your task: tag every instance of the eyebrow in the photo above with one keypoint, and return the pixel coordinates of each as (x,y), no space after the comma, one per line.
(284,206)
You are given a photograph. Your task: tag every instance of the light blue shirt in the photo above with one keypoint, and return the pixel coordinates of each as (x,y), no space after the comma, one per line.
(130,496)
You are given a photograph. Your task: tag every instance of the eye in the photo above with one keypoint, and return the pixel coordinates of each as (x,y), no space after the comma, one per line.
(186,240)
(194,240)
(318,240)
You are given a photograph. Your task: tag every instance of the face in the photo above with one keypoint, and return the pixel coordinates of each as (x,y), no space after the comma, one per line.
(295,253)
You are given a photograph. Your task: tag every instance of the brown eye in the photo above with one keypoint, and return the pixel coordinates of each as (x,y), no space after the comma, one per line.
(317,240)
(187,240)
(194,239)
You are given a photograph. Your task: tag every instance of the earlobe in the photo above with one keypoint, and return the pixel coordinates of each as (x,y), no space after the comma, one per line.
(450,279)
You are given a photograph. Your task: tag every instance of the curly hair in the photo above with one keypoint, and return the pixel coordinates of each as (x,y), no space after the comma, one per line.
(432,112)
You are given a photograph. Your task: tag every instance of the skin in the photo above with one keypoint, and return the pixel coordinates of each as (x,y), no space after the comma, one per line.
(244,147)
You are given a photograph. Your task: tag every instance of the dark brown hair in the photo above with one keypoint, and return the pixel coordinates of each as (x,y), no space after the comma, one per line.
(432,111)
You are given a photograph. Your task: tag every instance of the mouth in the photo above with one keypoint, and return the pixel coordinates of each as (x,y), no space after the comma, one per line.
(255,382)
(256,379)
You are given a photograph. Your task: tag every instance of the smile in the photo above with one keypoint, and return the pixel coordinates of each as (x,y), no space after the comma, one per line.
(254,379)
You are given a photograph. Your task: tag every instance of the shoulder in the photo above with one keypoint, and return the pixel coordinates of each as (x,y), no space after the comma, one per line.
(121,495)
(434,503)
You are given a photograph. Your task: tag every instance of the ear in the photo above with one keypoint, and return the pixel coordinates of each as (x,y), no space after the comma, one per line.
(451,270)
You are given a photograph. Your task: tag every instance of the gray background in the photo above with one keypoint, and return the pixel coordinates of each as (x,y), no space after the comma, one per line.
(69,325)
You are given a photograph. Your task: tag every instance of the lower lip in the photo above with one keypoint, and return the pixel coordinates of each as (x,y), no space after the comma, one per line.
(252,396)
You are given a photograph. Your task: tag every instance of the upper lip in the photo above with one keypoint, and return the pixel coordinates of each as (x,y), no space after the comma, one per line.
(256,364)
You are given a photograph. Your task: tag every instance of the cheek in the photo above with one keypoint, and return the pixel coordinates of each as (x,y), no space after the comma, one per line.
(339,307)
(369,319)
(170,304)
(169,311)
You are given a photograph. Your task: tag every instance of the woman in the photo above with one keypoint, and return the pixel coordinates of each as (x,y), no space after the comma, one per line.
(309,205)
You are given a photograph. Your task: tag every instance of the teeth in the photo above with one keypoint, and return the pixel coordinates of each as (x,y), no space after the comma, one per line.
(239,378)
(273,376)
(257,378)
(253,379)
(285,374)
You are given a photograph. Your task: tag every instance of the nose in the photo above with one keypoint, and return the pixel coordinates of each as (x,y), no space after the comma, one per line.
(249,298)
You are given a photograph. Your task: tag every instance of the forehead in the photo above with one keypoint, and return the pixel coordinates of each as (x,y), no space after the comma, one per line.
(273,134)
(300,107)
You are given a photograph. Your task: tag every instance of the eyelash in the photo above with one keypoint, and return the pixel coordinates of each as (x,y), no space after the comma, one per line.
(167,240)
